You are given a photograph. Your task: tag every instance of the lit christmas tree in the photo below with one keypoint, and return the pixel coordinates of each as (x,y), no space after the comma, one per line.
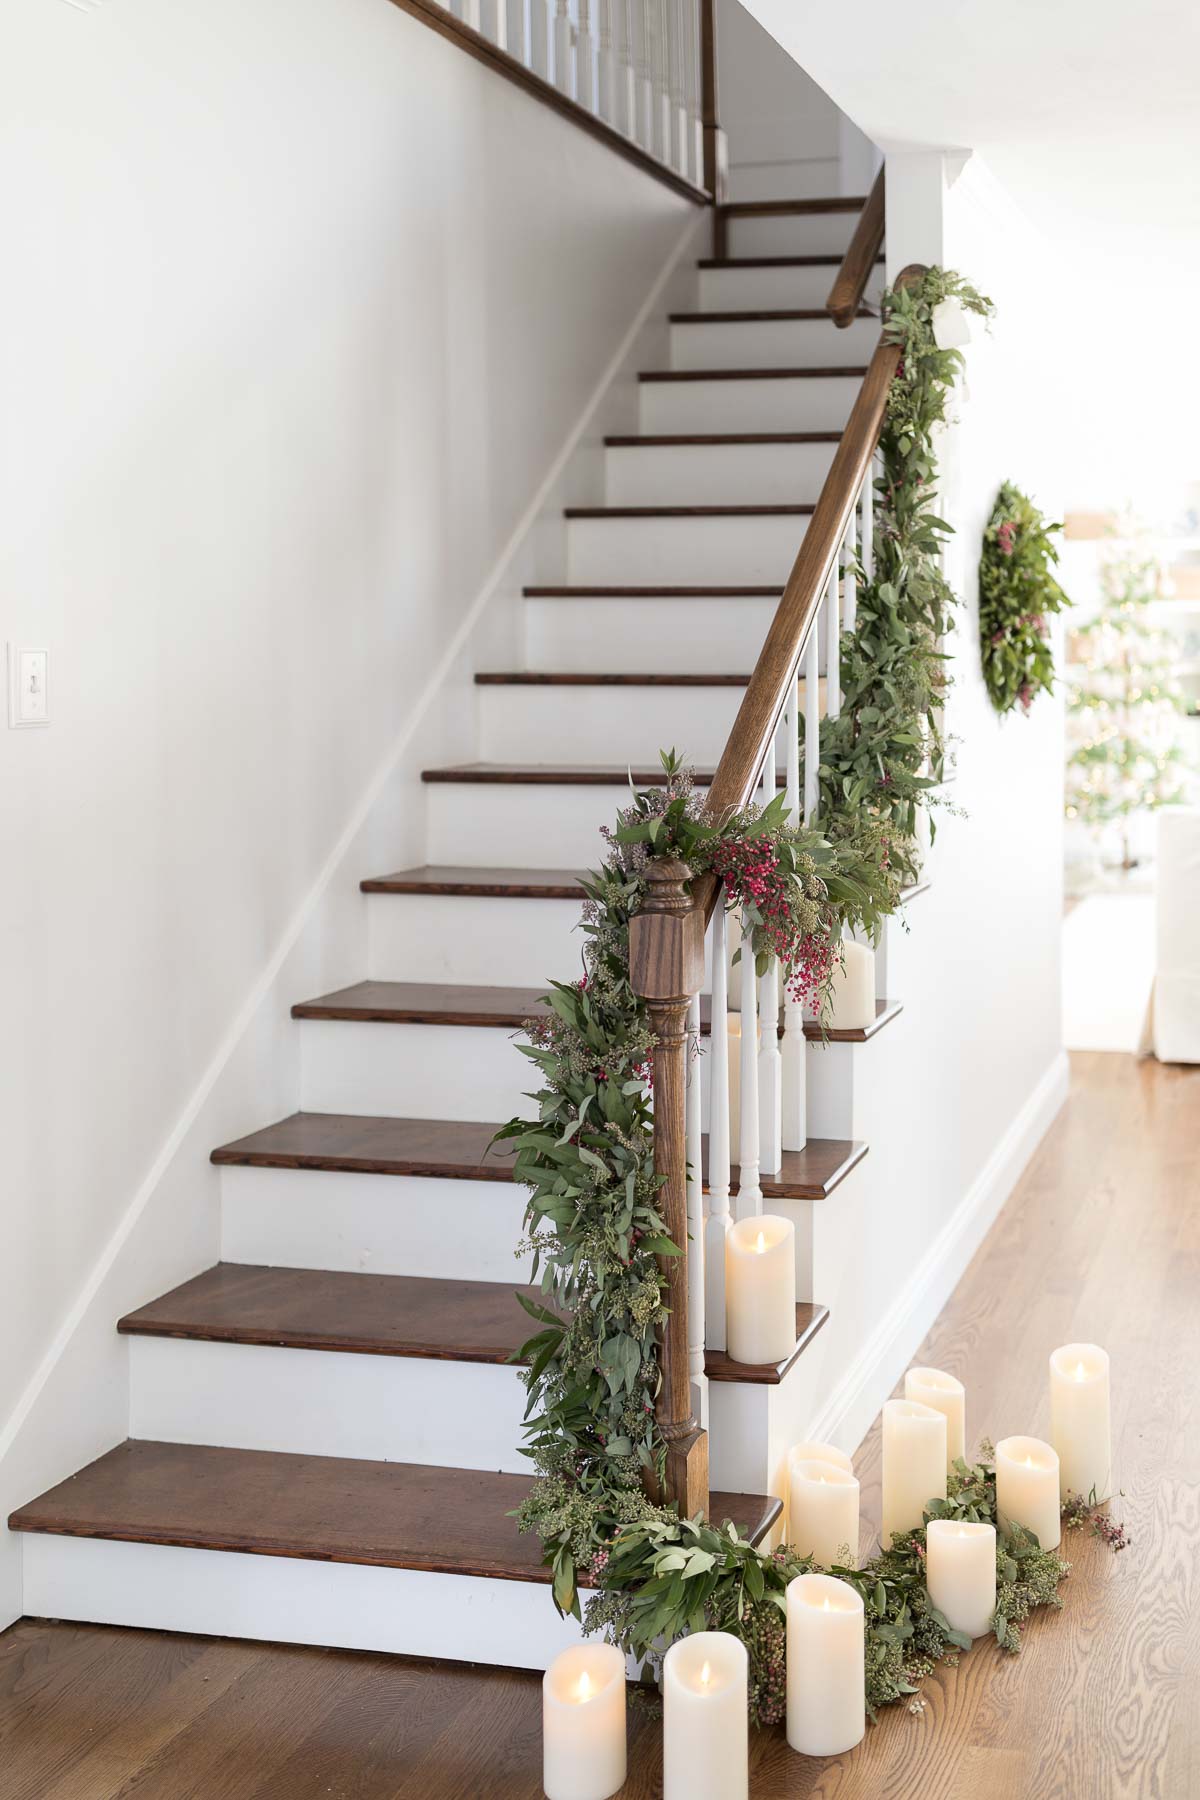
(1122,705)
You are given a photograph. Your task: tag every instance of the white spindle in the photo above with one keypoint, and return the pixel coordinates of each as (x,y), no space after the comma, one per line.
(661,11)
(541,38)
(850,580)
(694,1248)
(868,522)
(469,14)
(563,73)
(794,1134)
(770,1065)
(585,59)
(812,720)
(677,59)
(626,91)
(749,1200)
(516,35)
(718,1139)
(645,74)
(606,65)
(691,18)
(833,647)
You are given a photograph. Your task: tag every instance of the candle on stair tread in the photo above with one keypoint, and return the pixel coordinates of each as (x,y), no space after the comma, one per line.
(760,1289)
(852,989)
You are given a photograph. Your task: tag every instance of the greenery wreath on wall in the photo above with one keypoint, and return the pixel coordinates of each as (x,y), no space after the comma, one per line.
(1017,594)
(594,1231)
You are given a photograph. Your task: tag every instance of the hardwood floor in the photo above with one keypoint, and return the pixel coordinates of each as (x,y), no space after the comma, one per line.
(1101,1240)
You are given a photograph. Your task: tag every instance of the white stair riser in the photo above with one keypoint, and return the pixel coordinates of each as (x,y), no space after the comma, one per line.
(799,403)
(688,635)
(516,822)
(373,1224)
(806,178)
(518,942)
(414,1071)
(792,234)
(540,724)
(731,547)
(735,289)
(772,344)
(328,1403)
(285,1600)
(715,474)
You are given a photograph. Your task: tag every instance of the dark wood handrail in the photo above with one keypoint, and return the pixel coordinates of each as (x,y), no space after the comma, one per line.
(850,283)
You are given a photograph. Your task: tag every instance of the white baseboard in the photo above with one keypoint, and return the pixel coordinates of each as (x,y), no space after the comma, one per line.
(853,1405)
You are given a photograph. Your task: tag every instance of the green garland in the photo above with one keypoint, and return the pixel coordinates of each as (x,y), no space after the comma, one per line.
(593,1224)
(1017,593)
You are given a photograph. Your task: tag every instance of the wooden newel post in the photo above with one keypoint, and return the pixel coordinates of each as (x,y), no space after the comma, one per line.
(666,967)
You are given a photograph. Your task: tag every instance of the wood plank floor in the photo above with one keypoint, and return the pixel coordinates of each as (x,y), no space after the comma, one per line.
(1101,1240)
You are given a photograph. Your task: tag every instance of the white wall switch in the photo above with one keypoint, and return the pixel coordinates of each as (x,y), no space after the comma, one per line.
(28,687)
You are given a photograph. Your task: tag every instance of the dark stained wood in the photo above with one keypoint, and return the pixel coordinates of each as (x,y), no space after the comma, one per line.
(501,63)
(485,883)
(670,440)
(885,1012)
(559,775)
(652,593)
(850,284)
(317,1508)
(779,209)
(760,317)
(682,512)
(839,373)
(362,1144)
(720,1366)
(572,678)
(827,260)
(342,1310)
(808,1174)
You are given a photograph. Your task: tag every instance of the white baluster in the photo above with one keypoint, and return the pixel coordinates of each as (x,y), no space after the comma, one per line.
(868,522)
(469,14)
(695,1207)
(850,580)
(626,92)
(645,74)
(662,81)
(691,15)
(585,59)
(770,1064)
(677,58)
(606,65)
(563,72)
(516,36)
(749,1200)
(812,720)
(540,38)
(833,647)
(718,1139)
(794,1134)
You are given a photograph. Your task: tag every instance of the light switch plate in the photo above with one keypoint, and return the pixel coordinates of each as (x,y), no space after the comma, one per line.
(28,687)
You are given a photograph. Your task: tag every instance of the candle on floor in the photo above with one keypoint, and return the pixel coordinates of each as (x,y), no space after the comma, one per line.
(822,1511)
(760,1289)
(1027,1488)
(826,1666)
(914,1464)
(946,1394)
(852,989)
(706,1753)
(1080,1428)
(812,1451)
(583,1723)
(960,1573)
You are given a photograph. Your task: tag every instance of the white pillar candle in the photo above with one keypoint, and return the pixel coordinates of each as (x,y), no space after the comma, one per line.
(1080,1428)
(706,1749)
(852,989)
(812,1451)
(914,1464)
(822,1511)
(760,1289)
(583,1723)
(826,1666)
(960,1573)
(946,1394)
(1027,1488)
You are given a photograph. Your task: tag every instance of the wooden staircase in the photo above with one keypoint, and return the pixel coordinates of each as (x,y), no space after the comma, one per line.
(325,1426)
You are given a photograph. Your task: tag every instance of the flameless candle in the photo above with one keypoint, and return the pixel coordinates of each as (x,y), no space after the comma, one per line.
(826,1666)
(1079,1419)
(946,1395)
(760,1289)
(706,1752)
(583,1723)
(822,1510)
(1027,1488)
(852,988)
(811,1451)
(914,1464)
(960,1573)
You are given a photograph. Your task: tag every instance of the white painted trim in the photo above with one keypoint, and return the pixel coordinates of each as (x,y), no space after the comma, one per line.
(307,907)
(851,1408)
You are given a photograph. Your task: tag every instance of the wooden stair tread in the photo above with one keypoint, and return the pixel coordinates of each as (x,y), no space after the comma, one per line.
(828,260)
(342,1310)
(561,775)
(688,512)
(506,1008)
(644,592)
(317,1508)
(667,440)
(764,315)
(454,1150)
(762,209)
(487,883)
(857,371)
(720,1366)
(572,678)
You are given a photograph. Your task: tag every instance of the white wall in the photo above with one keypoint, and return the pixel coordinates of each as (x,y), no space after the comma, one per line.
(300,306)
